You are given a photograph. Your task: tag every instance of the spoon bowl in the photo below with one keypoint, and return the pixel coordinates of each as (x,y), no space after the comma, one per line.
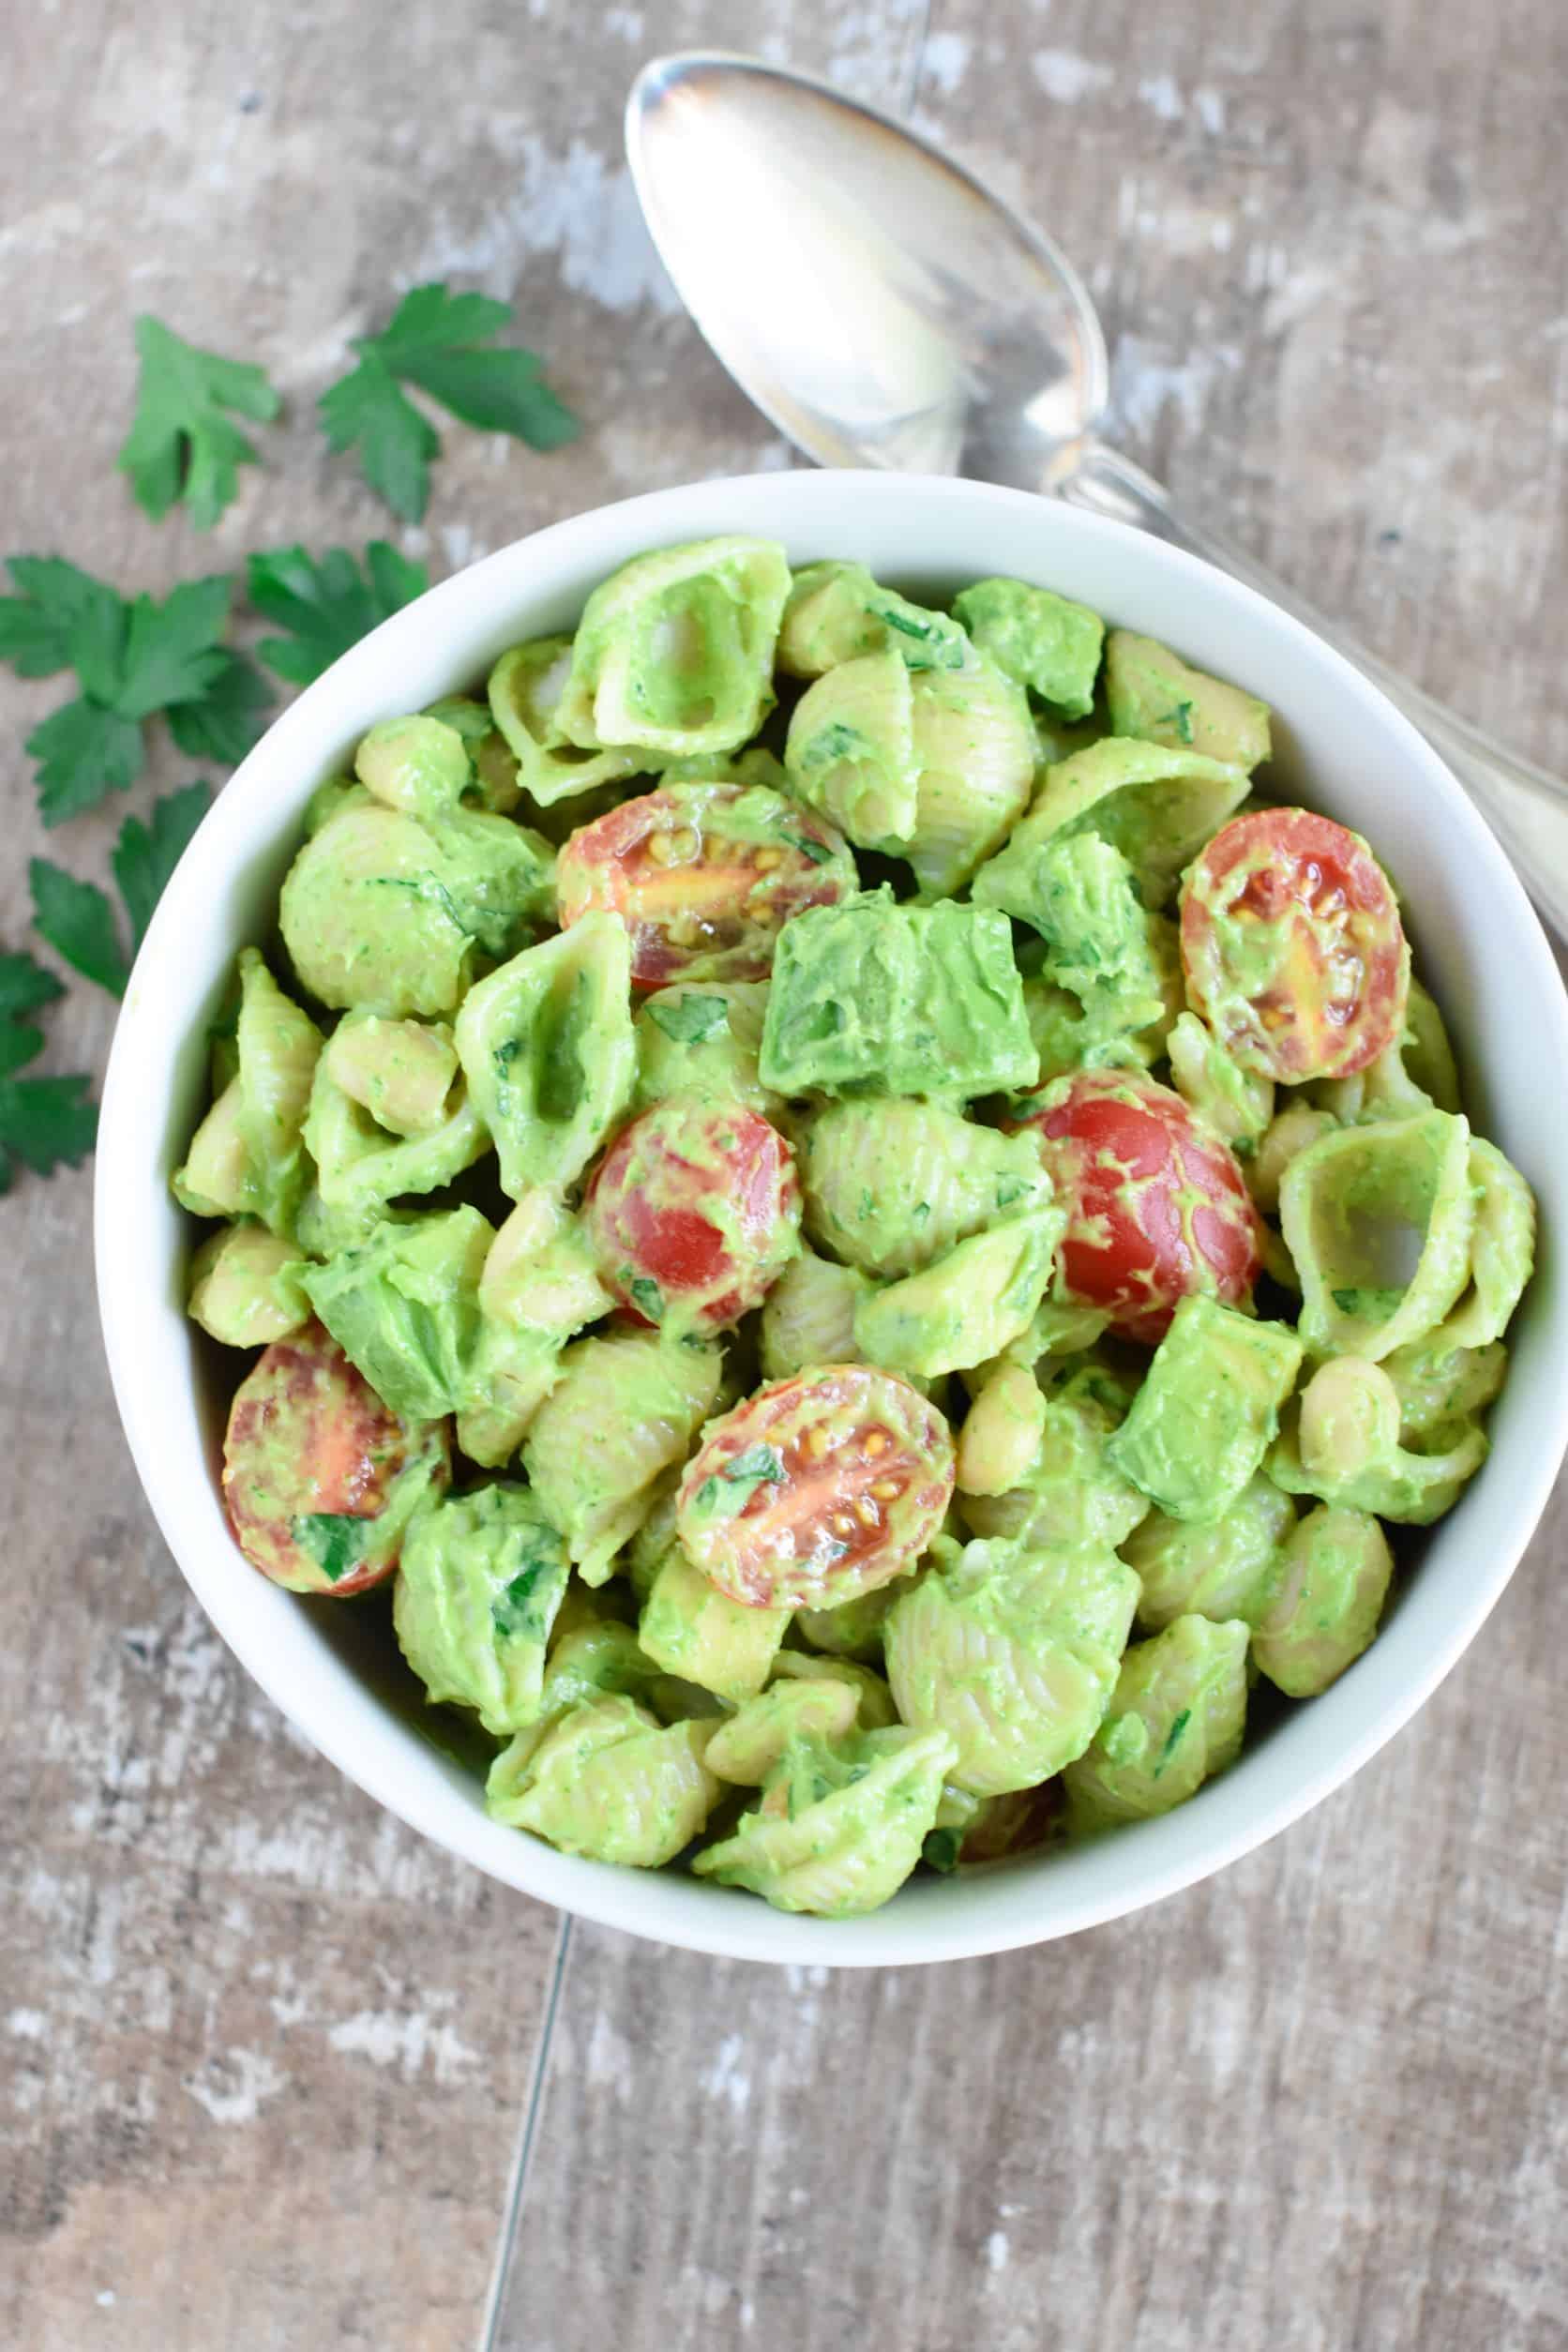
(910,321)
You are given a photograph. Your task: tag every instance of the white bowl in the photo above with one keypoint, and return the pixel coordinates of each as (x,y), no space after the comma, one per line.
(1343,749)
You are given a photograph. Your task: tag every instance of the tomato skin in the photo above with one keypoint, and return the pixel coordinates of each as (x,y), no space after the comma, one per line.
(704,877)
(700,1199)
(856,1471)
(1292,946)
(1128,1159)
(308,1436)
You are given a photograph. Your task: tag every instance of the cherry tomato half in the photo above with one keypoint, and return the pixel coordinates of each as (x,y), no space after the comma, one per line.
(310,1463)
(704,877)
(816,1489)
(693,1213)
(1156,1205)
(1292,946)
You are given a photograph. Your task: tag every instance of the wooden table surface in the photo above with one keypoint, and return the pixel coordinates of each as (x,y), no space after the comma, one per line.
(275,2072)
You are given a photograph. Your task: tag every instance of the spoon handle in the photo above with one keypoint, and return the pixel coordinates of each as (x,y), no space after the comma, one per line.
(1527,809)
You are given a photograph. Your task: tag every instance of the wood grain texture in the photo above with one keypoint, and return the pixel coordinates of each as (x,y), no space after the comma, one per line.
(266,2055)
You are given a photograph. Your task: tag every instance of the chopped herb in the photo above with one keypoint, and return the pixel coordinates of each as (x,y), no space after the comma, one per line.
(516,1609)
(690,1020)
(335,1539)
(940,1849)
(183,442)
(758,1462)
(1170,1738)
(707,1494)
(646,1297)
(1010,1189)
(43,1120)
(921,1211)
(867,1203)
(1181,718)
(78,919)
(836,742)
(435,341)
(326,603)
(818,851)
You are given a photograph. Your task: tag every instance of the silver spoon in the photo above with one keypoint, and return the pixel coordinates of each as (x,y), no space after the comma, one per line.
(884,307)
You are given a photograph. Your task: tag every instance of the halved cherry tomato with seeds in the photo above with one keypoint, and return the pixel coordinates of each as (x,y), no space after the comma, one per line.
(816,1489)
(319,1476)
(1156,1204)
(693,1212)
(1292,946)
(704,877)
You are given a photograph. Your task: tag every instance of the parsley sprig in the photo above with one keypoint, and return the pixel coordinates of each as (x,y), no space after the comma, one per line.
(183,442)
(132,659)
(326,603)
(439,342)
(78,919)
(43,1120)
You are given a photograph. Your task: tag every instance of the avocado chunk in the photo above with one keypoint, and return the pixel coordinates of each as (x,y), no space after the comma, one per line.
(1152,693)
(481,1577)
(872,997)
(404,1308)
(1207,1410)
(1045,641)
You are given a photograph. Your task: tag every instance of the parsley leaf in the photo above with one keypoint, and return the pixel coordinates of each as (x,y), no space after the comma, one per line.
(132,659)
(82,752)
(24,986)
(434,341)
(689,1020)
(62,616)
(335,1539)
(759,1461)
(43,1120)
(326,605)
(227,721)
(646,1297)
(78,919)
(182,444)
(145,855)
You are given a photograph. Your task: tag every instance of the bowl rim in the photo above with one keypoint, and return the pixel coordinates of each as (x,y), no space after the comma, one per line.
(723,1923)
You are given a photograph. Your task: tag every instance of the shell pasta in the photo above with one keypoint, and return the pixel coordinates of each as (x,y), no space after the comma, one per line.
(861,1241)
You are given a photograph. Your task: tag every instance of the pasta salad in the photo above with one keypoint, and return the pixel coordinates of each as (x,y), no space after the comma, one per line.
(863,1235)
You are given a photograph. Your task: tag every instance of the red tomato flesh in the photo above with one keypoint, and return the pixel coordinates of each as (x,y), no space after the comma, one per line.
(816,1489)
(693,1213)
(309,1441)
(704,877)
(1156,1206)
(1292,946)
